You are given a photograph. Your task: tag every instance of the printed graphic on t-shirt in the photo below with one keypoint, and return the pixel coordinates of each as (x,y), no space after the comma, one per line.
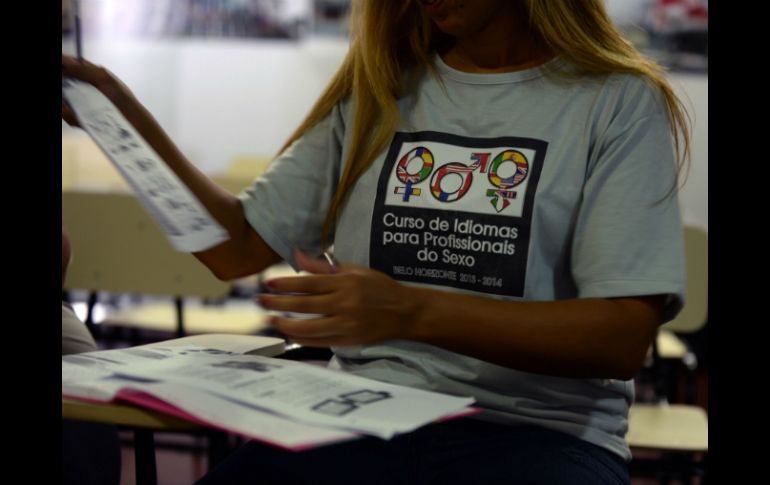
(456,211)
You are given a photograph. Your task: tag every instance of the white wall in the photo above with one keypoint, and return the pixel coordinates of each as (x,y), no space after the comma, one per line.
(220,99)
(693,90)
(247,98)
(150,69)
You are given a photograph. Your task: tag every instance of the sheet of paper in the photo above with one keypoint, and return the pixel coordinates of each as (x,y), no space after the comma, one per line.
(188,224)
(81,372)
(316,395)
(293,390)
(103,376)
(235,343)
(214,411)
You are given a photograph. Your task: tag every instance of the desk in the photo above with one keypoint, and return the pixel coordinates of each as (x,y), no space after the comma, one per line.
(123,415)
(143,423)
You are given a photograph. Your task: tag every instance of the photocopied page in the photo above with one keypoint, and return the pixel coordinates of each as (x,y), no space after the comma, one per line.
(214,411)
(188,224)
(107,376)
(235,343)
(316,395)
(99,375)
(290,390)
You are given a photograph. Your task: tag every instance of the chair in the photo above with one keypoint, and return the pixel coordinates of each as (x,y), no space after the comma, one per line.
(118,248)
(247,166)
(232,183)
(84,165)
(677,432)
(674,355)
(145,423)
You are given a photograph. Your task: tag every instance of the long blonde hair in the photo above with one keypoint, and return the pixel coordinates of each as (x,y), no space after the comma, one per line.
(390,36)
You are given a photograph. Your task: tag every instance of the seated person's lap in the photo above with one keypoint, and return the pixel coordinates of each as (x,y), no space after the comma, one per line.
(459,451)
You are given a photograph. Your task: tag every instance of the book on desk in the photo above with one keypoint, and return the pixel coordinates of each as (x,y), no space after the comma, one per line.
(222,381)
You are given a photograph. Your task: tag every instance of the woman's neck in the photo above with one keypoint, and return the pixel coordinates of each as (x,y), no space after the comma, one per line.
(493,61)
(507,44)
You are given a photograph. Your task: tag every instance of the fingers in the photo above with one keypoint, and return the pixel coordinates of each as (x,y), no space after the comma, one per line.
(313,265)
(68,115)
(357,305)
(297,303)
(70,62)
(315,284)
(310,328)
(83,70)
(337,340)
(70,66)
(316,332)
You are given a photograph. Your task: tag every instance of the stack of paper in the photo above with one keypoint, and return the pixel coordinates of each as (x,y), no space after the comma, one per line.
(286,403)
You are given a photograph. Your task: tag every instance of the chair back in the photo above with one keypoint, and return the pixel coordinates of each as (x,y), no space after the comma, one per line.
(248,166)
(695,312)
(232,183)
(118,247)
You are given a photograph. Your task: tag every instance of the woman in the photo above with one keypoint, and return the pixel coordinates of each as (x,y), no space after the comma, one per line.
(499,177)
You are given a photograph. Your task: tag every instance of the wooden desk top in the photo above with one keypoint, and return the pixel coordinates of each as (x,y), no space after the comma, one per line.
(123,415)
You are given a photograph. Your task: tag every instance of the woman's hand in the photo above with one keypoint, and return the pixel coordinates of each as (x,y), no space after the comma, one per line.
(581,337)
(359,305)
(103,80)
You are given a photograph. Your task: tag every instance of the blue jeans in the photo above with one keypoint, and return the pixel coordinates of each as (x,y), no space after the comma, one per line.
(461,451)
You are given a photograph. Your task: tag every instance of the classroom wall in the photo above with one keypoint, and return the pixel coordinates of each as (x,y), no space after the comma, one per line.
(221,99)
(693,89)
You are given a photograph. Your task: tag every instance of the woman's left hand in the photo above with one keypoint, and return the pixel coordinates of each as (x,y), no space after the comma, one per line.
(358,305)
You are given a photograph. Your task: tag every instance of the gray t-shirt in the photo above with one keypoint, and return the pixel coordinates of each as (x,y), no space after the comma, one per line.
(524,186)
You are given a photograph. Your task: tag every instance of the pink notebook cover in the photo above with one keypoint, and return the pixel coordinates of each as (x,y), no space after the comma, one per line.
(149,401)
(145,400)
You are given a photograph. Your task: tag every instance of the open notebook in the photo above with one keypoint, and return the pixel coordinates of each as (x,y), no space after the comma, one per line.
(239,344)
(222,381)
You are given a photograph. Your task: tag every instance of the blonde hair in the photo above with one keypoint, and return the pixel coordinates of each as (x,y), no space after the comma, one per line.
(390,36)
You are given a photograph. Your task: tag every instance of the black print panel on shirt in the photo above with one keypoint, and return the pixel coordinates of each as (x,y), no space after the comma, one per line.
(456,211)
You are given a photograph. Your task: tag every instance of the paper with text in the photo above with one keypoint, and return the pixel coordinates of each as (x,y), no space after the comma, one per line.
(213,411)
(186,222)
(302,393)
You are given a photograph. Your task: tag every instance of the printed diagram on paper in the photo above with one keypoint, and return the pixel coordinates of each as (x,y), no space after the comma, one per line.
(346,403)
(251,385)
(186,222)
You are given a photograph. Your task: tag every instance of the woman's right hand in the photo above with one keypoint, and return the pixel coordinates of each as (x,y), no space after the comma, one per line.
(103,80)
